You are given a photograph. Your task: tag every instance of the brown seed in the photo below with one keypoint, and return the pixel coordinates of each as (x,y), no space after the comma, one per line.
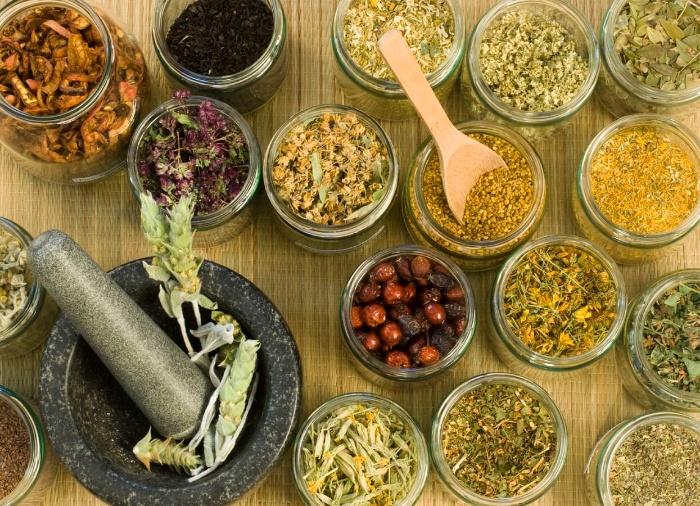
(383,272)
(435,313)
(392,292)
(369,292)
(428,355)
(421,266)
(356,317)
(397,358)
(390,334)
(373,314)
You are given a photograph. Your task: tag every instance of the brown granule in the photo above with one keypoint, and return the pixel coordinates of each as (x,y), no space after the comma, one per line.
(14,449)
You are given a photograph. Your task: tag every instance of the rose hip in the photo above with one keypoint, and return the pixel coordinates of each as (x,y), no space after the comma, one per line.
(370,341)
(421,266)
(369,292)
(356,317)
(428,355)
(392,292)
(374,314)
(383,272)
(435,313)
(390,334)
(397,358)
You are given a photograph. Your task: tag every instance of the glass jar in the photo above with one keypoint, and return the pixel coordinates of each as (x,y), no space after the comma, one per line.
(455,486)
(382,98)
(633,364)
(470,255)
(43,463)
(246,90)
(368,363)
(369,401)
(32,324)
(597,469)
(518,356)
(321,238)
(483,103)
(621,93)
(621,244)
(87,142)
(227,222)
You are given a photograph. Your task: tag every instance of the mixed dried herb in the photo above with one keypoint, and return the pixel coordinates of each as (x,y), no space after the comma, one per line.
(359,455)
(499,440)
(14,277)
(427,25)
(643,181)
(672,337)
(658,41)
(332,169)
(656,465)
(559,300)
(14,449)
(531,62)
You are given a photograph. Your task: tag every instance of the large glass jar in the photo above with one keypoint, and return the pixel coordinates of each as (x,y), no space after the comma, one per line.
(246,90)
(383,98)
(86,142)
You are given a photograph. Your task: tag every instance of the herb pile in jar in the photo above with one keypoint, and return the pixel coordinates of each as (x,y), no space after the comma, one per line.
(656,464)
(193,150)
(14,277)
(220,37)
(331,170)
(559,301)
(672,337)
(427,25)
(53,58)
(408,312)
(643,181)
(496,205)
(14,449)
(499,440)
(658,41)
(364,455)
(531,62)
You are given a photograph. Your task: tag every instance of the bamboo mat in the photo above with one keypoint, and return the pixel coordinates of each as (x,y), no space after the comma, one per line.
(305,287)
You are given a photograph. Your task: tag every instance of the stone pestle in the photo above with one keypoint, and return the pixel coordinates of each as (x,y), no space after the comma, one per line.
(167,387)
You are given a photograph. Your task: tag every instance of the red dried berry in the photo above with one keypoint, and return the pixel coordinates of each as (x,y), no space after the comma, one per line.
(410,291)
(397,358)
(431,294)
(392,292)
(403,268)
(390,334)
(435,313)
(370,341)
(356,317)
(415,346)
(373,314)
(369,292)
(459,325)
(421,266)
(383,272)
(428,355)
(454,294)
(398,310)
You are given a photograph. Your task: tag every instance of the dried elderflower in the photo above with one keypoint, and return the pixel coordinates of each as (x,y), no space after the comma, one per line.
(14,275)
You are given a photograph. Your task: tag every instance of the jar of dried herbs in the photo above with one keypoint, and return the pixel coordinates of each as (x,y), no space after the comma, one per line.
(498,439)
(650,459)
(638,187)
(331,175)
(73,85)
(202,147)
(531,64)
(503,210)
(434,30)
(650,57)
(557,306)
(245,71)
(658,355)
(29,464)
(362,447)
(27,312)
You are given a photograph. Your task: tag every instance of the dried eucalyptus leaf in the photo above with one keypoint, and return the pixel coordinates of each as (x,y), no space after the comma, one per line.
(316,169)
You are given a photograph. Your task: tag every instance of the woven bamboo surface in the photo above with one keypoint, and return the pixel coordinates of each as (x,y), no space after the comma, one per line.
(103,218)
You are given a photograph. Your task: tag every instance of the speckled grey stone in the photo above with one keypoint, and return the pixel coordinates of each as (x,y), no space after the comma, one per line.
(93,424)
(168,388)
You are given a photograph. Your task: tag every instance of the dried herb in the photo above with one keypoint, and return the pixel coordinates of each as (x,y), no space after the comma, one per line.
(531,62)
(14,277)
(656,465)
(658,41)
(220,37)
(643,181)
(14,449)
(193,151)
(331,170)
(559,300)
(672,337)
(427,26)
(359,455)
(499,440)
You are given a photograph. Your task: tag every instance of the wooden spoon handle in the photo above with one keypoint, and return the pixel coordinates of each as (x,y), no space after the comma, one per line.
(400,59)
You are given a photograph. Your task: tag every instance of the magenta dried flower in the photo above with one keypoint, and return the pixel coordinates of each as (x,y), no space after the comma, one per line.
(193,150)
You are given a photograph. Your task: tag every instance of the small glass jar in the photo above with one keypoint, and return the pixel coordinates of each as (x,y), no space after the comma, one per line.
(621,93)
(621,244)
(382,98)
(456,487)
(371,402)
(597,469)
(320,238)
(633,364)
(521,358)
(43,463)
(229,221)
(32,324)
(471,255)
(246,90)
(87,142)
(483,103)
(370,365)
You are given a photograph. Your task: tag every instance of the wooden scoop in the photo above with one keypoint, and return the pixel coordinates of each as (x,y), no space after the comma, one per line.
(462,159)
